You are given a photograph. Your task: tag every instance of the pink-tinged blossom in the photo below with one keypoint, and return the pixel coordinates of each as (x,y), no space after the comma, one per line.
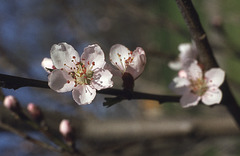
(127,61)
(188,53)
(194,86)
(81,75)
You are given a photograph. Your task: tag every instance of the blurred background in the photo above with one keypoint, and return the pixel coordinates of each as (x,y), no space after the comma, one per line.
(28,29)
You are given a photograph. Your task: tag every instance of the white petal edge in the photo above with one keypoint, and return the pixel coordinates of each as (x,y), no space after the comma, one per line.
(136,67)
(114,71)
(215,77)
(179,85)
(212,96)
(187,51)
(117,54)
(93,53)
(175,65)
(189,99)
(63,53)
(180,82)
(47,64)
(102,79)
(194,71)
(57,80)
(83,94)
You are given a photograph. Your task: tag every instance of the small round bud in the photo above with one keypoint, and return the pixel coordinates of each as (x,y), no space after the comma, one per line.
(65,127)
(35,112)
(10,102)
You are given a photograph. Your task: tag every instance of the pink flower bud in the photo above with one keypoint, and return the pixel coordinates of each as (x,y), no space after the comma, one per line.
(65,127)
(11,103)
(35,112)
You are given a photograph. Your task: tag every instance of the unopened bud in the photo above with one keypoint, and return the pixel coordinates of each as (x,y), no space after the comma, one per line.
(35,112)
(65,127)
(11,103)
(66,130)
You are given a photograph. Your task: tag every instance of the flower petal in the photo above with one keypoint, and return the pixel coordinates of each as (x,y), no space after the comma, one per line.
(189,99)
(187,51)
(118,54)
(102,79)
(215,77)
(212,96)
(83,94)
(114,71)
(93,55)
(194,71)
(137,65)
(47,64)
(175,65)
(179,85)
(58,81)
(63,53)
(180,82)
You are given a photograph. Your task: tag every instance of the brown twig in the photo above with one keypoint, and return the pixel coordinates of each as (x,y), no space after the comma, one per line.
(14,82)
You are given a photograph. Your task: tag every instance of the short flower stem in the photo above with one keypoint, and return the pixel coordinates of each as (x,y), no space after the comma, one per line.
(205,52)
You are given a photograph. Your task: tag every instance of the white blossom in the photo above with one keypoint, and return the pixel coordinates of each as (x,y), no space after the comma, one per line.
(132,62)
(83,76)
(194,86)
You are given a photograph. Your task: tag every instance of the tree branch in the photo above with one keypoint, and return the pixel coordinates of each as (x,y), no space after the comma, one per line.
(14,82)
(197,33)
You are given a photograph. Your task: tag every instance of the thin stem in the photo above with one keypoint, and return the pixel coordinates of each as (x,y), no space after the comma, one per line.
(205,52)
(15,82)
(27,137)
(44,129)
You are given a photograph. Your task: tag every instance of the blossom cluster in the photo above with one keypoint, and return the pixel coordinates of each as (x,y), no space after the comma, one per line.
(192,83)
(88,73)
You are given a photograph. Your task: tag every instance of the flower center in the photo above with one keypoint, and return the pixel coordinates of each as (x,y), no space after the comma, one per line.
(198,86)
(81,74)
(124,61)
